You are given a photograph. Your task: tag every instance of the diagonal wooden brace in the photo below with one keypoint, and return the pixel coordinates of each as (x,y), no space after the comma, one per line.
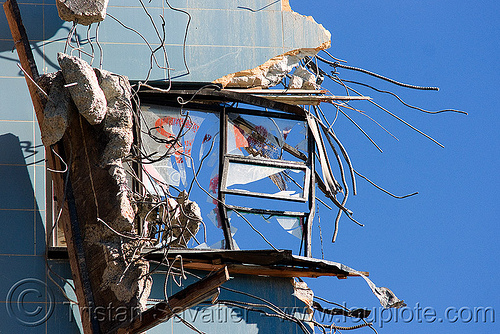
(182,300)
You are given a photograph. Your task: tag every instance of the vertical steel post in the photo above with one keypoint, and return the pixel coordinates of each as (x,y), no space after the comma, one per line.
(312,195)
(226,228)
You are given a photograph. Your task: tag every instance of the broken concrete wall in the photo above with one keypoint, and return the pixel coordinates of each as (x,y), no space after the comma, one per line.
(271,72)
(302,37)
(223,37)
(97,135)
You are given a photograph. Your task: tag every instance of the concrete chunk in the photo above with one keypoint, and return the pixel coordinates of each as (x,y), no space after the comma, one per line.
(84,12)
(83,87)
(185,220)
(56,117)
(118,120)
(303,79)
(268,74)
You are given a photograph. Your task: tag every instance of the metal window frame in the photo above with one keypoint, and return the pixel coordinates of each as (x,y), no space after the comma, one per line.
(265,162)
(307,164)
(204,97)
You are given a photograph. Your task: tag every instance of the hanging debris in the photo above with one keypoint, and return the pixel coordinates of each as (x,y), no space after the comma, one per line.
(303,79)
(83,86)
(96,145)
(169,222)
(83,12)
(56,110)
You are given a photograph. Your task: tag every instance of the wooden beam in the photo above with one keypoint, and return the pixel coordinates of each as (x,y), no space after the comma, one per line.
(226,95)
(182,300)
(312,99)
(78,269)
(271,271)
(256,91)
(24,53)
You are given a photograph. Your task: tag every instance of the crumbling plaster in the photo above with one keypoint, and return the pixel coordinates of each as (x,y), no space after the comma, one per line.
(302,37)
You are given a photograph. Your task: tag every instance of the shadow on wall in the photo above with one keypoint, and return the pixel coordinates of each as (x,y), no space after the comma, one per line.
(18,205)
(41,22)
(220,318)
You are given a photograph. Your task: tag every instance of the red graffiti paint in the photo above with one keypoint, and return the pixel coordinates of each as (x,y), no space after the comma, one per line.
(179,149)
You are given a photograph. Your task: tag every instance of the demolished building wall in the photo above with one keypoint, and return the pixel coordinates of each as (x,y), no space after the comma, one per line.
(94,126)
(106,139)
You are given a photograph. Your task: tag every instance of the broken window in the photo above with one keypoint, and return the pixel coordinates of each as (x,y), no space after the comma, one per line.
(267,137)
(167,136)
(244,160)
(265,178)
(265,166)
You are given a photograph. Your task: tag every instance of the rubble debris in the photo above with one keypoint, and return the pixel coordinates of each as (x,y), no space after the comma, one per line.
(146,212)
(83,86)
(303,79)
(268,74)
(386,297)
(180,220)
(126,279)
(111,244)
(186,222)
(55,113)
(83,12)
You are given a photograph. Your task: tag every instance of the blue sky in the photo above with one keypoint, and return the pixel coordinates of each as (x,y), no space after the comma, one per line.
(438,249)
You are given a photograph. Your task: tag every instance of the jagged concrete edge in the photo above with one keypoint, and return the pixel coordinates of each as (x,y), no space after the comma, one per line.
(285,6)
